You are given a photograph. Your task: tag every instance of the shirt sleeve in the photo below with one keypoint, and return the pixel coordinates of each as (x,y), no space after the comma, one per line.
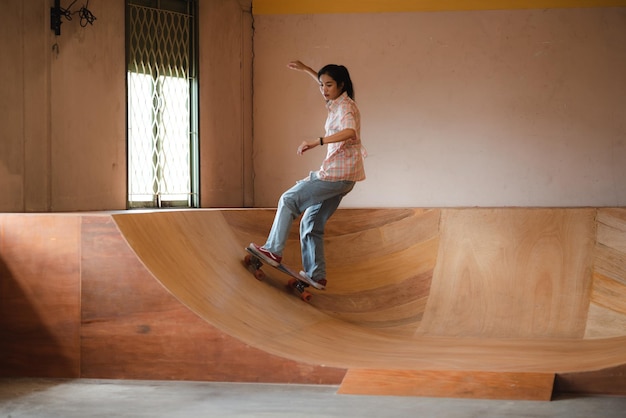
(348,119)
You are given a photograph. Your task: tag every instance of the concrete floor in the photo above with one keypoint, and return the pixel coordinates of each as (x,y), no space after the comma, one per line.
(122,398)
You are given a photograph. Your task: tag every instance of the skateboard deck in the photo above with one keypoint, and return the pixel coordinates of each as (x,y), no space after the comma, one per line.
(254,263)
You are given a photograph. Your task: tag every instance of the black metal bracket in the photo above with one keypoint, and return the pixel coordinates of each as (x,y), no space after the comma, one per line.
(57,12)
(55,17)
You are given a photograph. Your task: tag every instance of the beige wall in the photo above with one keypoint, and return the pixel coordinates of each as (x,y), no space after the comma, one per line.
(63,111)
(483,108)
(226,103)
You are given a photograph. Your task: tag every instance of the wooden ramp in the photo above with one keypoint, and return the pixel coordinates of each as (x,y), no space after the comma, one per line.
(507,296)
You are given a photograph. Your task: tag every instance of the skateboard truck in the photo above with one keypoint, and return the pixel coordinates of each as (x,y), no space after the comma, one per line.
(254,264)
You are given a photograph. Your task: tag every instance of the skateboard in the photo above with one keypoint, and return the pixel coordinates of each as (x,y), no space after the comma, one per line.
(254,263)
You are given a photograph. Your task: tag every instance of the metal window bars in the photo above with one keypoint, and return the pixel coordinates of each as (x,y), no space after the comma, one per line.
(161,134)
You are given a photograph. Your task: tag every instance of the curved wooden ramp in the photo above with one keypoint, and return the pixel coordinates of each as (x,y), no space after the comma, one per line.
(459,290)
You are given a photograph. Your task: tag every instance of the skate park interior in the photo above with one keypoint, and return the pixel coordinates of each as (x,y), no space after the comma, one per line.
(485,254)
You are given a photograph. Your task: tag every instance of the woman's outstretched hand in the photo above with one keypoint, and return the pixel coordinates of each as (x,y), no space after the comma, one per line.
(305,146)
(297,65)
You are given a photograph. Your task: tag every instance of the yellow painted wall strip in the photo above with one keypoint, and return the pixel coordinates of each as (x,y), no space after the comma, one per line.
(261,7)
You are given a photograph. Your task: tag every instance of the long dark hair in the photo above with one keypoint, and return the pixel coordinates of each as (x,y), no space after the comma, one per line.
(340,74)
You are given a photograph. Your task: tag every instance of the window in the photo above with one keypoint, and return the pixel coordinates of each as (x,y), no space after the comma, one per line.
(162,103)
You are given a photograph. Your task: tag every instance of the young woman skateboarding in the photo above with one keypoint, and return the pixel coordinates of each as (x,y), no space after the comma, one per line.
(319,194)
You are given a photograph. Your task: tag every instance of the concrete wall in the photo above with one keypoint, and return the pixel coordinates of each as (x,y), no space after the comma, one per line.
(63,107)
(465,108)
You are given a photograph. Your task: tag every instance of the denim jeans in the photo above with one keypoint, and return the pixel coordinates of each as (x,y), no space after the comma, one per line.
(318,199)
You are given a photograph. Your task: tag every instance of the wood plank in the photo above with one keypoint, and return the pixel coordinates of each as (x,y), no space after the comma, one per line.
(612,238)
(603,322)
(449,384)
(610,263)
(610,381)
(39,295)
(612,217)
(133,328)
(495,263)
(607,309)
(609,293)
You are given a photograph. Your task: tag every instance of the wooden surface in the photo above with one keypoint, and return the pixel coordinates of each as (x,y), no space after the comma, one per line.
(76,302)
(607,311)
(611,381)
(132,328)
(512,274)
(449,384)
(452,289)
(455,292)
(39,295)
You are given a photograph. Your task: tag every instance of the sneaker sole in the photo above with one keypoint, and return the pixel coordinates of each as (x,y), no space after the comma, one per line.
(264,257)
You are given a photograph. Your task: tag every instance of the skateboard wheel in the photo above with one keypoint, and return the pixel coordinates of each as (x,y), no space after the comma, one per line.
(251,261)
(259,275)
(292,283)
(306,296)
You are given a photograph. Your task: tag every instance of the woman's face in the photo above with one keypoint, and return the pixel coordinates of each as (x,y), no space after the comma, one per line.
(329,88)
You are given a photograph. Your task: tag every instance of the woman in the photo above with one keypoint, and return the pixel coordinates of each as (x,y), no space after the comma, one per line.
(319,195)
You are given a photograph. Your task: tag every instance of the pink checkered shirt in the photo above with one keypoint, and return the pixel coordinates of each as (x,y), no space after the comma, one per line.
(344,160)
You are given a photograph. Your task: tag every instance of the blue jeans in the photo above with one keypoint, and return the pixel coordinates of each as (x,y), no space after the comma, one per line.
(318,199)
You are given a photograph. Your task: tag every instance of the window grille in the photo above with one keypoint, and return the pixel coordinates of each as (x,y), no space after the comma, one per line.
(162,104)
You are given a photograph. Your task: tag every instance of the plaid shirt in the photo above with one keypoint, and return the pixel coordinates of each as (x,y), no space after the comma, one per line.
(344,160)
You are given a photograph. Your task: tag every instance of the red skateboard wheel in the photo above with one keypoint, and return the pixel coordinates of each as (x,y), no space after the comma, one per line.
(259,274)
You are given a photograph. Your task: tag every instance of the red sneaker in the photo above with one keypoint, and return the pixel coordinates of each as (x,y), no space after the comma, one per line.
(269,257)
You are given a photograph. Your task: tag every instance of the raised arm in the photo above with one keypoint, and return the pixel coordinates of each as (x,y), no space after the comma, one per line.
(299,66)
